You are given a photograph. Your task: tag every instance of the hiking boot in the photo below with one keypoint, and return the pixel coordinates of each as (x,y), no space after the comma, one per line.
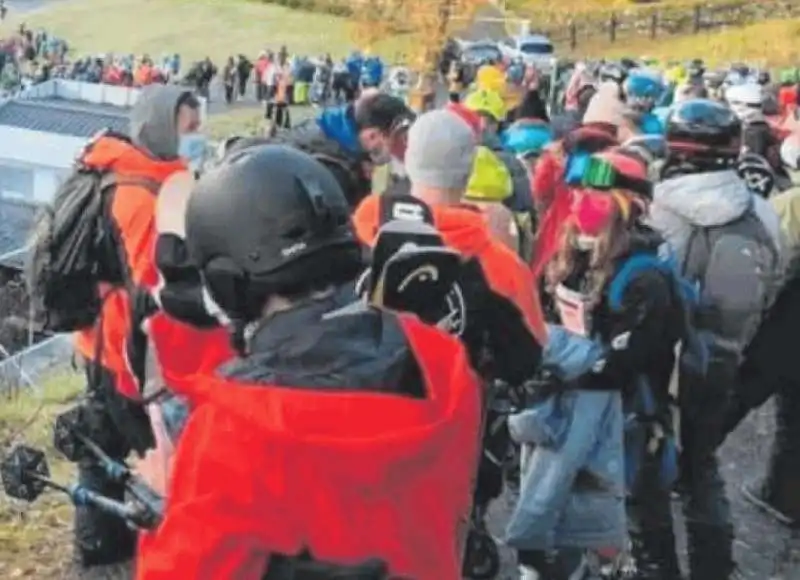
(654,556)
(710,551)
(758,496)
(101,539)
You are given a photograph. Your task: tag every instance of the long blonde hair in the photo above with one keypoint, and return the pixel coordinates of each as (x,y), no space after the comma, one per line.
(613,242)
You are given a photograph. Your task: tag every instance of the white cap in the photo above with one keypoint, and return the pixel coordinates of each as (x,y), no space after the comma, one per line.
(790,152)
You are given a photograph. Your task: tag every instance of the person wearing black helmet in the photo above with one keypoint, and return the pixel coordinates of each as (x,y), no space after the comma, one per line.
(318,451)
(727,241)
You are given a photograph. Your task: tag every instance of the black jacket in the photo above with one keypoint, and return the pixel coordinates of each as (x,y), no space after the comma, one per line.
(304,348)
(642,328)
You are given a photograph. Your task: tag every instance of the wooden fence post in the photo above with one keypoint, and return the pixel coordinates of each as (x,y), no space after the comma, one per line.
(698,17)
(654,25)
(573,35)
(612,27)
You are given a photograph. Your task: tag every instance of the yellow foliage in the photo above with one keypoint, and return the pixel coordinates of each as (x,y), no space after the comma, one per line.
(589,7)
(374,20)
(773,43)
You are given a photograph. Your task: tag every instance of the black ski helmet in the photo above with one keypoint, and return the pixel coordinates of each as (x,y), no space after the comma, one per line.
(268,219)
(704,129)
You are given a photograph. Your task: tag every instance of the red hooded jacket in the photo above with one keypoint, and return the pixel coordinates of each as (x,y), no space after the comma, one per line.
(347,475)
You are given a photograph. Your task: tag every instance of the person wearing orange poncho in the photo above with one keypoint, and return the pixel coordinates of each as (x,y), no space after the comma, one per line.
(442,146)
(343,437)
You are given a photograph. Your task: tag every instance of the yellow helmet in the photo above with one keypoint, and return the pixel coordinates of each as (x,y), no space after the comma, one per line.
(676,74)
(488,102)
(491,78)
(490,179)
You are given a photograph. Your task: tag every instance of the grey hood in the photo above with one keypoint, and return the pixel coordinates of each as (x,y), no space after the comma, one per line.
(702,199)
(154,120)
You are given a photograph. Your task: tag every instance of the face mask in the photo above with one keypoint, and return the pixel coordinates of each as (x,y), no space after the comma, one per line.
(380,156)
(194,148)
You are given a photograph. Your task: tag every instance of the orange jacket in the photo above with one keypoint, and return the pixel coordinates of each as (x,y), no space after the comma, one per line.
(464,229)
(143,75)
(347,475)
(132,211)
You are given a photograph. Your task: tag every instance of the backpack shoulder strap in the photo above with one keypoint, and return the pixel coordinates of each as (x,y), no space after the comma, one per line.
(698,252)
(148,183)
(634,265)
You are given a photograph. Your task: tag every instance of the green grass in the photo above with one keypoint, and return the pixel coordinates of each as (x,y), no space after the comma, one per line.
(35,539)
(772,43)
(577,8)
(196,29)
(193,28)
(247,121)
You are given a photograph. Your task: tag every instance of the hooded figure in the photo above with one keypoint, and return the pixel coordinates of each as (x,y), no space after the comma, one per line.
(155,120)
(112,350)
(728,243)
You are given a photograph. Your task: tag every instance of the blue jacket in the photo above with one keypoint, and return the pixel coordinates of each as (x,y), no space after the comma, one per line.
(567,434)
(371,72)
(651,125)
(338,124)
(354,63)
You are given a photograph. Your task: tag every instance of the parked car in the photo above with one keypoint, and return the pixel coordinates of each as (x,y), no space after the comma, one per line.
(533,49)
(473,54)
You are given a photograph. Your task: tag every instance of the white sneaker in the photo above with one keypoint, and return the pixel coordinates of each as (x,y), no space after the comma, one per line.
(526,573)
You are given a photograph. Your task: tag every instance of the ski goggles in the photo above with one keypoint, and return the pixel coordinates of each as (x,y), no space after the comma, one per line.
(588,171)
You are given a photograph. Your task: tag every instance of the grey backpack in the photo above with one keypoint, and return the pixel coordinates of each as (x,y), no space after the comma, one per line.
(738,269)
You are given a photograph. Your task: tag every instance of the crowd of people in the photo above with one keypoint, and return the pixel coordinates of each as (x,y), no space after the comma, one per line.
(31,57)
(321,380)
(278,79)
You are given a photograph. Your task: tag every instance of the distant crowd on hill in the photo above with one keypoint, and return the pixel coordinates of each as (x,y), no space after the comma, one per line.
(276,78)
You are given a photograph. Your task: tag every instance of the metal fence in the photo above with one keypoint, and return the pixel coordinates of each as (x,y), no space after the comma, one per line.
(659,22)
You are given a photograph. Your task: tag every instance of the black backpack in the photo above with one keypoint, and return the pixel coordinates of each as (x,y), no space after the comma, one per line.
(75,248)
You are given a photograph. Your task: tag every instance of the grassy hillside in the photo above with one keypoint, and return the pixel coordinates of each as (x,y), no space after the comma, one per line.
(195,29)
(773,43)
(580,8)
(35,540)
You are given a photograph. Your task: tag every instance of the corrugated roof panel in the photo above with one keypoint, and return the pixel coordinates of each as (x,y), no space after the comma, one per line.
(62,117)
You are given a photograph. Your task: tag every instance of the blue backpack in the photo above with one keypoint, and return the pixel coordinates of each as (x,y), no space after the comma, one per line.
(649,433)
